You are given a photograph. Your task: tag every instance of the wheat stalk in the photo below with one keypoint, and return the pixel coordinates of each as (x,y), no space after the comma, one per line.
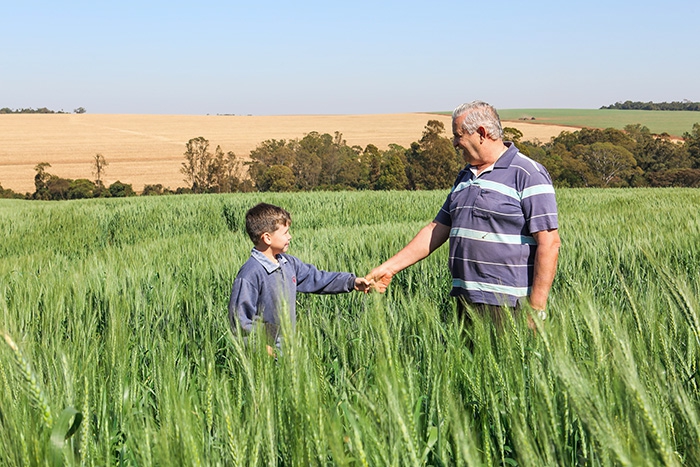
(31,383)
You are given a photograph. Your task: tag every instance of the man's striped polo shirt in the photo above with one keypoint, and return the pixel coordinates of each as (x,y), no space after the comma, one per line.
(491,219)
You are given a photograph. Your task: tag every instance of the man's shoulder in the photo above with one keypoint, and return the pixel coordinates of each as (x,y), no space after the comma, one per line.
(529,171)
(522,161)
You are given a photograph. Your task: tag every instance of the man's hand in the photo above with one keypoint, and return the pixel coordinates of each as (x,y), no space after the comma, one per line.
(380,278)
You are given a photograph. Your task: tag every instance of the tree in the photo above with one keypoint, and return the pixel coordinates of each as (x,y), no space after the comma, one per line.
(41,180)
(8,193)
(692,144)
(81,188)
(512,134)
(675,177)
(58,187)
(609,163)
(80,110)
(197,166)
(373,159)
(336,153)
(269,153)
(233,172)
(277,178)
(99,164)
(565,169)
(307,168)
(154,190)
(393,174)
(121,190)
(433,162)
(308,159)
(223,174)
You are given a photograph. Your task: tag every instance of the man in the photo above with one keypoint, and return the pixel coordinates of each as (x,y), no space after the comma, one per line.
(500,218)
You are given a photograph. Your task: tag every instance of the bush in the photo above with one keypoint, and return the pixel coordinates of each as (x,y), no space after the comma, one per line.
(121,190)
(81,188)
(7,193)
(153,190)
(675,178)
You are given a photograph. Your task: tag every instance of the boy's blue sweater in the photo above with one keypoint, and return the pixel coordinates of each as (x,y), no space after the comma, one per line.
(262,288)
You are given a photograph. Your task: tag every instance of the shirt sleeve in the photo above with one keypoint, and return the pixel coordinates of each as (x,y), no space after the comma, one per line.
(242,308)
(539,203)
(313,280)
(443,216)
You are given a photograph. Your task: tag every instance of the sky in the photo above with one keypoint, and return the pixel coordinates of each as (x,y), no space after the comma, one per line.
(354,57)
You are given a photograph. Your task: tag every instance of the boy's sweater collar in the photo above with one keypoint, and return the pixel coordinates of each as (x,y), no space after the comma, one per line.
(269,266)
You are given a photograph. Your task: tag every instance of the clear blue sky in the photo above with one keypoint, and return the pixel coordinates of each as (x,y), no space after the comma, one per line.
(351,57)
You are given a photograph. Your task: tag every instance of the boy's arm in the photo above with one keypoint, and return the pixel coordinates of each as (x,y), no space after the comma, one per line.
(310,279)
(362,284)
(242,306)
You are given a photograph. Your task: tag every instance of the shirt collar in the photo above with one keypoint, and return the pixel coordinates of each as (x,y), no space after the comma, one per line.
(269,265)
(506,158)
(502,162)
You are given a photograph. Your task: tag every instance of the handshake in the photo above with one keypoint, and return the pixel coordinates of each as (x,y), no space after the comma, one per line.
(376,281)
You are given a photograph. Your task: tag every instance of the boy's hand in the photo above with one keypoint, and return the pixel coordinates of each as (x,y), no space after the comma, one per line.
(362,284)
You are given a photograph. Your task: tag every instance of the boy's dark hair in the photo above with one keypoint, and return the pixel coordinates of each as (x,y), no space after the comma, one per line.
(265,218)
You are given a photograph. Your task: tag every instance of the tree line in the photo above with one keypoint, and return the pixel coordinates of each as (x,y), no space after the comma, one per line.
(632,157)
(630,105)
(40,110)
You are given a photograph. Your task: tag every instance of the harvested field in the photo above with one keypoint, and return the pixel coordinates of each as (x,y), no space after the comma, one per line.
(148,149)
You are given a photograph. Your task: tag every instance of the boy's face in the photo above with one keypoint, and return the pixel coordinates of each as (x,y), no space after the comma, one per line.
(278,240)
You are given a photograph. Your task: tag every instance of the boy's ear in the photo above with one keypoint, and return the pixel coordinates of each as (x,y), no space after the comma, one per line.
(266,238)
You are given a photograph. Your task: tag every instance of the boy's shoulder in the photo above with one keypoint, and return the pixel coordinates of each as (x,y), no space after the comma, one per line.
(251,267)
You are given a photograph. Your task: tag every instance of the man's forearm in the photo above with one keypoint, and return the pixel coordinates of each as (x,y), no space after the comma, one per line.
(546,258)
(427,240)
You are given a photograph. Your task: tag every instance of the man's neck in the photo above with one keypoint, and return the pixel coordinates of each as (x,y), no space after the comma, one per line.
(489,156)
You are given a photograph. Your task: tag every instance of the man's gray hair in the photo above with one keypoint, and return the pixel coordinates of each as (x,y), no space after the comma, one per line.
(478,114)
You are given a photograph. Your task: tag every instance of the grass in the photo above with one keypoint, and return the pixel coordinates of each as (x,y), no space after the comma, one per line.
(117,310)
(675,123)
(671,122)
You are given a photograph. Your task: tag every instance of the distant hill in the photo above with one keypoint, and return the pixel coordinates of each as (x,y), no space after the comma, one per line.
(675,123)
(675,106)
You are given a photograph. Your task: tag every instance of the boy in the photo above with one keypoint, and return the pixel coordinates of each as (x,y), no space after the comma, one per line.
(268,282)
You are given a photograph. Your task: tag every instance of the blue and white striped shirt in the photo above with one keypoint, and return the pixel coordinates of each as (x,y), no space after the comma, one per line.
(491,218)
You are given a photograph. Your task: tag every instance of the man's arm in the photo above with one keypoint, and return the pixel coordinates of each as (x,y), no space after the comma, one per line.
(546,257)
(423,244)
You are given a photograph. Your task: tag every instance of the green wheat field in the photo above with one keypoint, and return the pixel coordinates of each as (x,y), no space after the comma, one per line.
(116,350)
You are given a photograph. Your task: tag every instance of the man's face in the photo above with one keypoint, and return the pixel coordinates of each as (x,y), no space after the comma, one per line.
(462,140)
(279,239)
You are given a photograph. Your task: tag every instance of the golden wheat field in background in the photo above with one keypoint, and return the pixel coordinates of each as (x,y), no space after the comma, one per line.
(148,149)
